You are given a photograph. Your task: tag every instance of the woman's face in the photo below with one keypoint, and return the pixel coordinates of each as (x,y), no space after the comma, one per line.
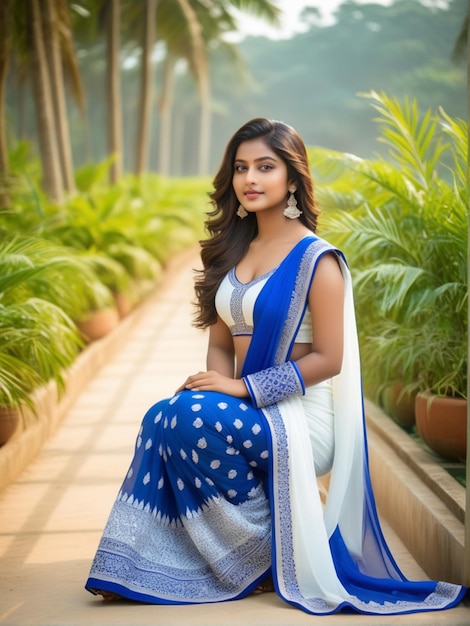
(260,179)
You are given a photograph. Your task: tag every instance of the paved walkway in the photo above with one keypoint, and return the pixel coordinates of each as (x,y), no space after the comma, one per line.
(52,516)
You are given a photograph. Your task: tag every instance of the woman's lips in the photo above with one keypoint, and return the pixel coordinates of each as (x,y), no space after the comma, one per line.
(251,195)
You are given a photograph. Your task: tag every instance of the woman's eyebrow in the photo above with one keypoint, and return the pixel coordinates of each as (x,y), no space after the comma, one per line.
(264,158)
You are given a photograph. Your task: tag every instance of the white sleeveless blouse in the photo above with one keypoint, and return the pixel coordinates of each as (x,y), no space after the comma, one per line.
(235,302)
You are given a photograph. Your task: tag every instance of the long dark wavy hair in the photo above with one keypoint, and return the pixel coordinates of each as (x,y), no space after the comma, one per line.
(230,236)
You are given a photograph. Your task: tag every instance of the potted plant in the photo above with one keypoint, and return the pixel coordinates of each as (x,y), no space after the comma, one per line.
(406,240)
(38,339)
(102,231)
(37,343)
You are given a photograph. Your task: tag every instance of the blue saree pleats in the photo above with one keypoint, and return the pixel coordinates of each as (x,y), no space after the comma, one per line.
(191,522)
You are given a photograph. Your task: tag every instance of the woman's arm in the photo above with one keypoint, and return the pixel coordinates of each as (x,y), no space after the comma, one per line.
(220,349)
(325,358)
(326,303)
(220,363)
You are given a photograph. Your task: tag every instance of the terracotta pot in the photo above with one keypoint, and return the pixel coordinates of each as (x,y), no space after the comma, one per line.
(99,324)
(442,424)
(400,409)
(124,304)
(9,420)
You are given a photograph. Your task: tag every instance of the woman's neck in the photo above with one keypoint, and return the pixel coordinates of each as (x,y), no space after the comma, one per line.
(279,228)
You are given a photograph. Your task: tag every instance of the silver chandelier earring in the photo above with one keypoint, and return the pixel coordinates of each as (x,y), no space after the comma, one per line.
(242,212)
(292,211)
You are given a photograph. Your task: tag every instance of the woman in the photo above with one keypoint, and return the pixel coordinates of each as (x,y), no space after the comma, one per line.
(221,497)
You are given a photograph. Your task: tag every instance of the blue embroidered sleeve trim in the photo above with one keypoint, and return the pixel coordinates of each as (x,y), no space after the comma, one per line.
(299,376)
(274,384)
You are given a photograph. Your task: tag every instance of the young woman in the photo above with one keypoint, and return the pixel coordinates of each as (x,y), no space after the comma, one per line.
(221,497)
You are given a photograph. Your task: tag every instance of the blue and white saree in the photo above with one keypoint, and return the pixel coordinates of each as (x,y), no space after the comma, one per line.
(220,493)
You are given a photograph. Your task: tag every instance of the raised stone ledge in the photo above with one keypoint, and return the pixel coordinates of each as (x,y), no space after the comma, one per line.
(424,504)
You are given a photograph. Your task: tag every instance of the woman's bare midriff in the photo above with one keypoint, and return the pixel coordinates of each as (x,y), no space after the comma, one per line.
(242,342)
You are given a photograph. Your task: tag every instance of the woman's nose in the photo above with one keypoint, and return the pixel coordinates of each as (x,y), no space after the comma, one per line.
(251,175)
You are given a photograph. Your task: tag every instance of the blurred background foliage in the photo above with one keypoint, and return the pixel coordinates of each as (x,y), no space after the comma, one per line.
(114,114)
(201,85)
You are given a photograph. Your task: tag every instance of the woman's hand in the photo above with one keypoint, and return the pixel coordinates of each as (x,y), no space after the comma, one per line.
(213,381)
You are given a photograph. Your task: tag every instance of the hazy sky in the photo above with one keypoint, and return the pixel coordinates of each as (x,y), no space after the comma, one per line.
(292,9)
(290,22)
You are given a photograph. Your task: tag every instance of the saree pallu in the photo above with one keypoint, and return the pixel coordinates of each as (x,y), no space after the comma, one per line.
(220,493)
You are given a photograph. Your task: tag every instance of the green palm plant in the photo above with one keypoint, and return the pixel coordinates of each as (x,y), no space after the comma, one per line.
(38,339)
(90,226)
(124,233)
(167,216)
(127,233)
(406,240)
(38,268)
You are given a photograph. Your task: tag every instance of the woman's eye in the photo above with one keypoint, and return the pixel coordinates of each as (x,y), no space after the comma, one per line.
(244,168)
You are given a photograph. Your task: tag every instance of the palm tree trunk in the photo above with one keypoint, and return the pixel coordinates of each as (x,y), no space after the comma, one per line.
(44,110)
(53,53)
(179,147)
(205,125)
(145,106)
(115,142)
(5,20)
(165,106)
(201,71)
